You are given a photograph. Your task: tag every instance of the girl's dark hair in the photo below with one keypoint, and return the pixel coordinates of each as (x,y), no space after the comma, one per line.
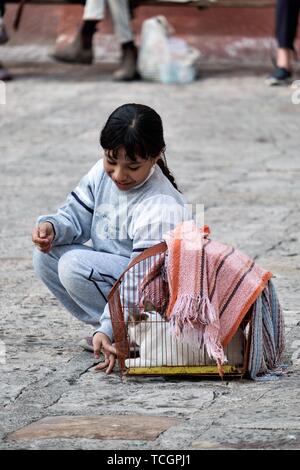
(137,128)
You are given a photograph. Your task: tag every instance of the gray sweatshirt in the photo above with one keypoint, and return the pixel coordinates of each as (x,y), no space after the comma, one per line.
(119,222)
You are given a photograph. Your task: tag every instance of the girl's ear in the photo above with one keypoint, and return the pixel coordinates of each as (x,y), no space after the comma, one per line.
(160,156)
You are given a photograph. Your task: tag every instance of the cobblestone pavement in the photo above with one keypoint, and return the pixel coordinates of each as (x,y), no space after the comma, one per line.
(233,145)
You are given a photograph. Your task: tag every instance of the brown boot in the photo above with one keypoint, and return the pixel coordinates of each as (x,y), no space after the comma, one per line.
(128,70)
(79,50)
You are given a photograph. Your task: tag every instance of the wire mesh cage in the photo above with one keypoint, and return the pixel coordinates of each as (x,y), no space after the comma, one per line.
(143,338)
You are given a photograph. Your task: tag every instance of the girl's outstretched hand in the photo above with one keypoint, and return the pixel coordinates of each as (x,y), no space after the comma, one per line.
(102,342)
(43,236)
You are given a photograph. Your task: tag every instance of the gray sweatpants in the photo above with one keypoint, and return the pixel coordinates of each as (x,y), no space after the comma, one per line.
(80,278)
(120,14)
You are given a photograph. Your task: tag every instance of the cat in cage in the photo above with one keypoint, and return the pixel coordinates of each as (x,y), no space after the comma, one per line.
(157,347)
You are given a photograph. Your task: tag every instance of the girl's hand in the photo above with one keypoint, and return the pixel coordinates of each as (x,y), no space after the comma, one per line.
(101,341)
(43,236)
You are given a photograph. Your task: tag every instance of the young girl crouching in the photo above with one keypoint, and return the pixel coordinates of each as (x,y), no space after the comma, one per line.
(125,204)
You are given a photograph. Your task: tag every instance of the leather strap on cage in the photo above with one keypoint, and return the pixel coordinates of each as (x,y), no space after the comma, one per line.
(152,251)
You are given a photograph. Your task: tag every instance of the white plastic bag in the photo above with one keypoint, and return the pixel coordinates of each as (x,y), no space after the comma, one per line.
(163,58)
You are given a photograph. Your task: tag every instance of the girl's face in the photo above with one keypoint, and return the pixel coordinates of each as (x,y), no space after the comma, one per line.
(125,173)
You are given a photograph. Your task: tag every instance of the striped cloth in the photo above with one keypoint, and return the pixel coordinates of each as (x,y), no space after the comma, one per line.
(267,336)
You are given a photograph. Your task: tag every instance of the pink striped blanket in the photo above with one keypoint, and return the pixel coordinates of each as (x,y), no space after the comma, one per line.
(211,287)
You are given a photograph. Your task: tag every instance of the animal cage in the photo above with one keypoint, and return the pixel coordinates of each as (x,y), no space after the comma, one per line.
(142,335)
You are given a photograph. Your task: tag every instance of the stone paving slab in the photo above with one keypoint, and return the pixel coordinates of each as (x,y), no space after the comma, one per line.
(233,145)
(95,427)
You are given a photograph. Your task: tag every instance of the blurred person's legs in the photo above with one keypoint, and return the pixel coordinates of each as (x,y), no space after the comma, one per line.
(80,48)
(287,12)
(119,10)
(4,73)
(3,33)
